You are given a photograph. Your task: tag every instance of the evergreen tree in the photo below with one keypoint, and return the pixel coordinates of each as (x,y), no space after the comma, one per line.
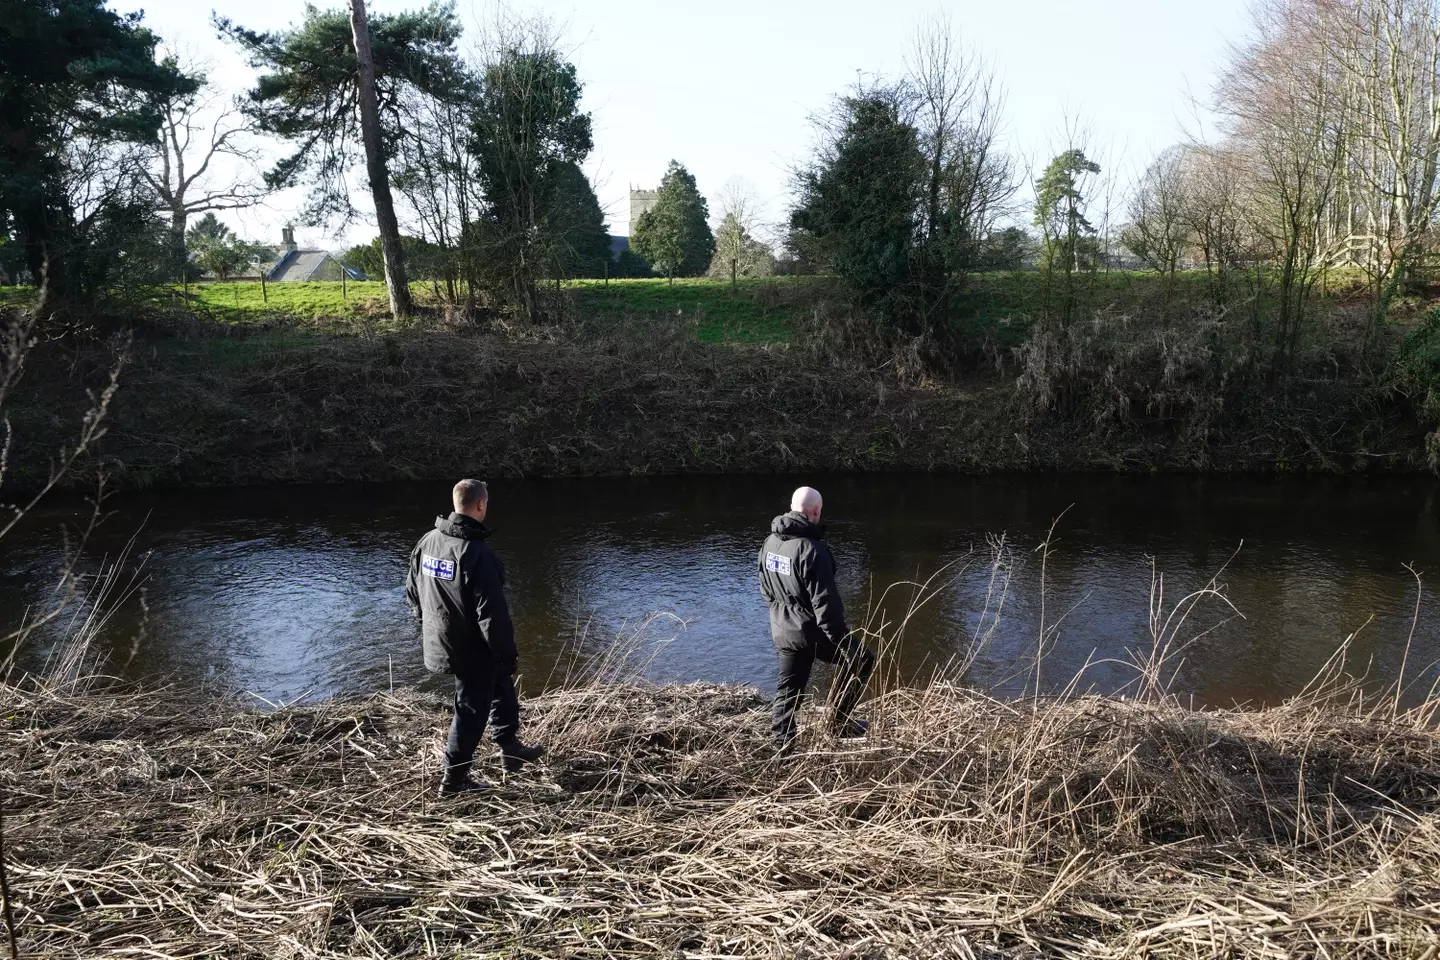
(631,264)
(70,71)
(206,228)
(313,97)
(222,255)
(1068,243)
(572,225)
(674,235)
(366,257)
(1060,211)
(857,212)
(423,259)
(1006,249)
(528,137)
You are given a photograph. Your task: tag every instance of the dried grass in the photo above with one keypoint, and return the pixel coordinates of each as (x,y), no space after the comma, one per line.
(147,824)
(633,395)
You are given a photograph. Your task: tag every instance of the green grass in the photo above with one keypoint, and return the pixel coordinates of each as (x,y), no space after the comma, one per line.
(758,310)
(302,301)
(1003,304)
(998,305)
(11,297)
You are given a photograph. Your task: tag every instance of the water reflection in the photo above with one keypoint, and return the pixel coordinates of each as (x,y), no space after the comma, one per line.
(295,592)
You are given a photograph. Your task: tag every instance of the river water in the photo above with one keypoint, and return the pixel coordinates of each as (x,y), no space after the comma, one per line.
(295,593)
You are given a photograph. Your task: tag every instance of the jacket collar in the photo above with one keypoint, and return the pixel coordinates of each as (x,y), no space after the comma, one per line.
(463,527)
(794,524)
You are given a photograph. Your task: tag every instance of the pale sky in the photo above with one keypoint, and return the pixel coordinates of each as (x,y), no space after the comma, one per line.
(726,89)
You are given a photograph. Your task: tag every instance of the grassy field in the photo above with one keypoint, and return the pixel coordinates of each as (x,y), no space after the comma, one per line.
(304,301)
(996,306)
(1000,305)
(756,311)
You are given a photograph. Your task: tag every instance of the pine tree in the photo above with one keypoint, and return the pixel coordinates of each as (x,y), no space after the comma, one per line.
(71,71)
(674,235)
(337,80)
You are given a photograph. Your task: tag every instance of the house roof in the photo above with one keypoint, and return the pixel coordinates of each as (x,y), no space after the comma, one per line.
(302,264)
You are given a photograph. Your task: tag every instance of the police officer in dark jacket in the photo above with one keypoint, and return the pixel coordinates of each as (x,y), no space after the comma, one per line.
(807,618)
(456,587)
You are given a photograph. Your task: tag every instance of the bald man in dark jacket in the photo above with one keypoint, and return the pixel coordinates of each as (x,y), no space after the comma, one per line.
(807,619)
(456,587)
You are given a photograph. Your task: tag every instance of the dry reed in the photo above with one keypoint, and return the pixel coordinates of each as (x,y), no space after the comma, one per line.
(149,824)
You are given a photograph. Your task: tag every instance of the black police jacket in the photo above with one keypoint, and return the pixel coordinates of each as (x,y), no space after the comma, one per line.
(797,578)
(456,587)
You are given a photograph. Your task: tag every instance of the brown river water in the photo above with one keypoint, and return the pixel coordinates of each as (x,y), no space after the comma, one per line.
(294,593)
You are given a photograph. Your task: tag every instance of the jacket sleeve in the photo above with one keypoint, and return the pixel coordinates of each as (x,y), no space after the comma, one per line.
(492,612)
(765,587)
(412,590)
(824,596)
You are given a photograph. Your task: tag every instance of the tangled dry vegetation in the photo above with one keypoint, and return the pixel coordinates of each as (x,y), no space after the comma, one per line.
(638,396)
(143,824)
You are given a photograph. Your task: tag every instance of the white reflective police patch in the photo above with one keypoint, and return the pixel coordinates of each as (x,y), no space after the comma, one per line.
(437,568)
(777,563)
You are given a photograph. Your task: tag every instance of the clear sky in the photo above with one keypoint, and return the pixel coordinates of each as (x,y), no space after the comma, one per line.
(727,89)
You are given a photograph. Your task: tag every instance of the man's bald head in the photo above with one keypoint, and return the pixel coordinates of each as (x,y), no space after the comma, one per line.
(807,501)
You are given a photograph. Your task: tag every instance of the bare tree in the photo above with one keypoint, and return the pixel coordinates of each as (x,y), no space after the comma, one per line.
(200,133)
(435,174)
(956,109)
(1211,207)
(737,251)
(529,137)
(1390,53)
(1282,97)
(1158,232)
(395,281)
(104,202)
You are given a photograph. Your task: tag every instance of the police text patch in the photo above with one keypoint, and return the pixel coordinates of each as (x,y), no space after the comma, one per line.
(437,568)
(777,563)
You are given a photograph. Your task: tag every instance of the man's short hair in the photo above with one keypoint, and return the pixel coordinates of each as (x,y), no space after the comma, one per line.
(467,493)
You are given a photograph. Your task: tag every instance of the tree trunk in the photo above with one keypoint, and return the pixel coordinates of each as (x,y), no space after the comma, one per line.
(177,241)
(395,282)
(43,256)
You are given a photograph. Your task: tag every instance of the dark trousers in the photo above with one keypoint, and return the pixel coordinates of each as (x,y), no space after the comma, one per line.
(489,691)
(855,662)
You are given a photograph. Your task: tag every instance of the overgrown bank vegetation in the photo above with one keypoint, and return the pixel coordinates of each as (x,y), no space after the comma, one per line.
(660,825)
(777,378)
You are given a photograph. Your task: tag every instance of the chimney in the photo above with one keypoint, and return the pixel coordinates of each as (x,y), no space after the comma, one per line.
(287,239)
